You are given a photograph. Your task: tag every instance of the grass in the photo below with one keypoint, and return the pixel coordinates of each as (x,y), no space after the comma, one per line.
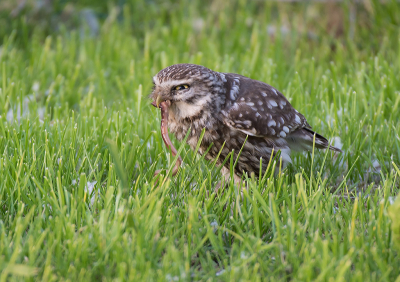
(80,143)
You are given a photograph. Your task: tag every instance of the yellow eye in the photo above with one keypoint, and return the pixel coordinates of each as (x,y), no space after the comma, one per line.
(181,87)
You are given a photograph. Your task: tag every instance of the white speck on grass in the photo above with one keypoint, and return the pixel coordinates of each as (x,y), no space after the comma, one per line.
(272,30)
(335,209)
(341,111)
(391,200)
(329,120)
(198,24)
(376,165)
(17,112)
(36,86)
(89,188)
(337,142)
(249,21)
(47,206)
(91,21)
(220,272)
(41,112)
(10,115)
(169,277)
(214,224)
(73,182)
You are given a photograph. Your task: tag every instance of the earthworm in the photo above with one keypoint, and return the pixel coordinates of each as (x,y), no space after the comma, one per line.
(164,106)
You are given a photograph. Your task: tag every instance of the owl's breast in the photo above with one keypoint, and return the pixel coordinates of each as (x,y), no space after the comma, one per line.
(196,125)
(178,129)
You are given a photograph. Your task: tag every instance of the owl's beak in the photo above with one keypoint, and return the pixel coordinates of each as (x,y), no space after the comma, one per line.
(157,102)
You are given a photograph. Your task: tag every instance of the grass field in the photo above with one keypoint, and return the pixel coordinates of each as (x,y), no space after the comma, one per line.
(80,143)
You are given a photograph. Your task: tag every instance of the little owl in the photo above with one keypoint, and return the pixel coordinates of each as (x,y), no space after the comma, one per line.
(231,107)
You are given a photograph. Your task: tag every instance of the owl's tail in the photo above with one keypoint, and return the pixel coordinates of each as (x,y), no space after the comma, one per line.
(303,139)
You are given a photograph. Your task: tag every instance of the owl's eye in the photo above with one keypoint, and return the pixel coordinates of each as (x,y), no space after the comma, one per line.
(181,87)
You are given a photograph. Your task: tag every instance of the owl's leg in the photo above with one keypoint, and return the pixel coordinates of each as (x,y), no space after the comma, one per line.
(227,177)
(238,183)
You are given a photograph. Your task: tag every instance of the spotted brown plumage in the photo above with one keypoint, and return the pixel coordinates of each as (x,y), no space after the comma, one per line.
(231,107)
(258,109)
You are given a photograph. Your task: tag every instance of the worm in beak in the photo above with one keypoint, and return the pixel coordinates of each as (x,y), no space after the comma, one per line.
(157,102)
(164,105)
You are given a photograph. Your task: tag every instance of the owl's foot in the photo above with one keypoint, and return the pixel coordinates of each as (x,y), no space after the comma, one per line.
(220,187)
(227,175)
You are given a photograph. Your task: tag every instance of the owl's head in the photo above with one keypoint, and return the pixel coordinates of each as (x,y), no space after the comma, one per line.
(186,86)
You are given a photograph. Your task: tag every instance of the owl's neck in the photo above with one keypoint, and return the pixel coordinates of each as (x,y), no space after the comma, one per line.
(182,110)
(197,117)
(184,115)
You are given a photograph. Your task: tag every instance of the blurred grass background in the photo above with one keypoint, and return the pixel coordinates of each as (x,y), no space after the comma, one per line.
(80,142)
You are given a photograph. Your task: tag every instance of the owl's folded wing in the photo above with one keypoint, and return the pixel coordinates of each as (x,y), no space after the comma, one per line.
(265,112)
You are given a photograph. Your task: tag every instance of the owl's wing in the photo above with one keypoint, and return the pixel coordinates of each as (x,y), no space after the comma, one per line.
(260,110)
